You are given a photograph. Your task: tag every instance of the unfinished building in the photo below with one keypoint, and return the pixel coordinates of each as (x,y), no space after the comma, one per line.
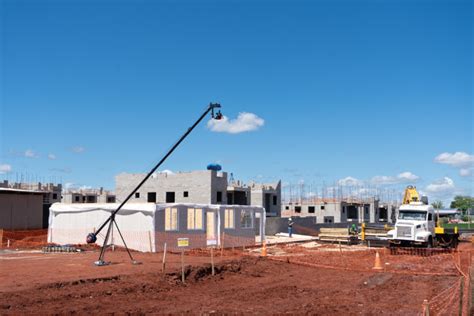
(327,211)
(202,186)
(88,196)
(23,199)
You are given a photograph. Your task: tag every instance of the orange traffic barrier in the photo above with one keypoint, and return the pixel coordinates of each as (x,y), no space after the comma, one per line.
(378,263)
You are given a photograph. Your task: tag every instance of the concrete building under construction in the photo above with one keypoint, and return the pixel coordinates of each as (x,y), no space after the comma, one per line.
(26,205)
(344,210)
(73,196)
(202,186)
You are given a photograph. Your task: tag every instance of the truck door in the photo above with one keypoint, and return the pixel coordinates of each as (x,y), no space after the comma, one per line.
(431,222)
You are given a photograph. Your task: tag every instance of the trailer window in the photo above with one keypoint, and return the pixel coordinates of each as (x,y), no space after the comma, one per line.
(171,219)
(229,218)
(246,219)
(194,218)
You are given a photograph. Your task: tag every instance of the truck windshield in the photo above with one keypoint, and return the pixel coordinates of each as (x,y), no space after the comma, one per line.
(412,215)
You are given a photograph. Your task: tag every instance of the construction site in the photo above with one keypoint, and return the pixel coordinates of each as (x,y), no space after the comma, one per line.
(194,243)
(305,277)
(236,157)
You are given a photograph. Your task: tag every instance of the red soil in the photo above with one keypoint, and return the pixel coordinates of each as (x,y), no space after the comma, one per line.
(70,283)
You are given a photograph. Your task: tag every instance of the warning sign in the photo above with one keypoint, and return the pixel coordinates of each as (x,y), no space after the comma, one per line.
(183,242)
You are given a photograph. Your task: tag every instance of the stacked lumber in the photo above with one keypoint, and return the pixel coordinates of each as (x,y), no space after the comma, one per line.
(336,235)
(376,232)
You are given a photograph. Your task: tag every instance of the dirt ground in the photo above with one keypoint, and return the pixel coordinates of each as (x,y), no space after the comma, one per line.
(292,280)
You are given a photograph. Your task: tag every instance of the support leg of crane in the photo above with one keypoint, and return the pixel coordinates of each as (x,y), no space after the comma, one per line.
(125,244)
(101,261)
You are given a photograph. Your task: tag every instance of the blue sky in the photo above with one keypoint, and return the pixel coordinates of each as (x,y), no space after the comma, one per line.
(372,90)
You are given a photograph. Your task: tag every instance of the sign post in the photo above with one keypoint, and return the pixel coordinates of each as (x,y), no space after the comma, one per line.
(163,264)
(212,261)
(182,243)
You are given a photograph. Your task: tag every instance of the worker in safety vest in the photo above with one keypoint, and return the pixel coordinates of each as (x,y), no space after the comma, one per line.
(353,230)
(290,227)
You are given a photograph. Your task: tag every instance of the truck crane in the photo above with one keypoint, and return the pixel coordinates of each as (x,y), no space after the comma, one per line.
(418,225)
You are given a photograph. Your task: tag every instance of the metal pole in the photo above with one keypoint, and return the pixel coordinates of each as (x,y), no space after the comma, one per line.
(182,265)
(212,261)
(210,108)
(163,265)
(93,236)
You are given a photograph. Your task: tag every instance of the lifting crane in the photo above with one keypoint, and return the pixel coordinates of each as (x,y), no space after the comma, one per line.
(411,195)
(92,237)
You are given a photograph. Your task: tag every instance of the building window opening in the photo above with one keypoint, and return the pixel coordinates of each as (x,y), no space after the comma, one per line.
(352,212)
(328,219)
(170,197)
(151,197)
(246,219)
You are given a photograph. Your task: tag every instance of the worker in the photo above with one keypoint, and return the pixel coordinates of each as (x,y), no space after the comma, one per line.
(353,229)
(290,227)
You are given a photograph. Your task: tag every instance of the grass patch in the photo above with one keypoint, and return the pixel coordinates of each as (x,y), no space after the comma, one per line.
(460,226)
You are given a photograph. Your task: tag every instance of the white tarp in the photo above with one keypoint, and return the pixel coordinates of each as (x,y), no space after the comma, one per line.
(70,224)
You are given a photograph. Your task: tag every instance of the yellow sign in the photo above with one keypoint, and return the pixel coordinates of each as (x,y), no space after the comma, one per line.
(183,242)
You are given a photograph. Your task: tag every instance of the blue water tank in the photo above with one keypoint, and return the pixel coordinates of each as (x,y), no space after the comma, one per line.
(214,167)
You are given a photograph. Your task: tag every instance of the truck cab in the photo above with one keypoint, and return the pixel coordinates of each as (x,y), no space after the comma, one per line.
(415,226)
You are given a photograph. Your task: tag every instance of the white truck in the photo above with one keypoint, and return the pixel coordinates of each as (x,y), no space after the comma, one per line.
(416,226)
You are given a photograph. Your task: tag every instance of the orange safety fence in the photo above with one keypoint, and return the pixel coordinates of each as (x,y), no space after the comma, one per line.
(455,299)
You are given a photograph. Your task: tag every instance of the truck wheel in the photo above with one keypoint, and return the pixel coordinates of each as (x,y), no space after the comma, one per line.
(430,243)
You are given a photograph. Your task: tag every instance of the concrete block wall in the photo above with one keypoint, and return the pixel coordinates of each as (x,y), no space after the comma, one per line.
(202,186)
(338,210)
(302,225)
(322,210)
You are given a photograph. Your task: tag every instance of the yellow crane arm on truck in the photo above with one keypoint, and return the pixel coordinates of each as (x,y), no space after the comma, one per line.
(411,195)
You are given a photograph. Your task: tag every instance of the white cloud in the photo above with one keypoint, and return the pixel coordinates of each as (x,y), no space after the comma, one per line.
(407,176)
(349,181)
(458,159)
(51,156)
(445,185)
(245,122)
(29,153)
(78,149)
(465,172)
(403,177)
(461,160)
(166,171)
(5,168)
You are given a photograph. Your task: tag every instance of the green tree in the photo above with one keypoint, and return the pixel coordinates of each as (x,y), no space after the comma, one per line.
(438,205)
(462,203)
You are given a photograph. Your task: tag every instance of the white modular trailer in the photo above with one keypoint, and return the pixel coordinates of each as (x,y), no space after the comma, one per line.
(147,227)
